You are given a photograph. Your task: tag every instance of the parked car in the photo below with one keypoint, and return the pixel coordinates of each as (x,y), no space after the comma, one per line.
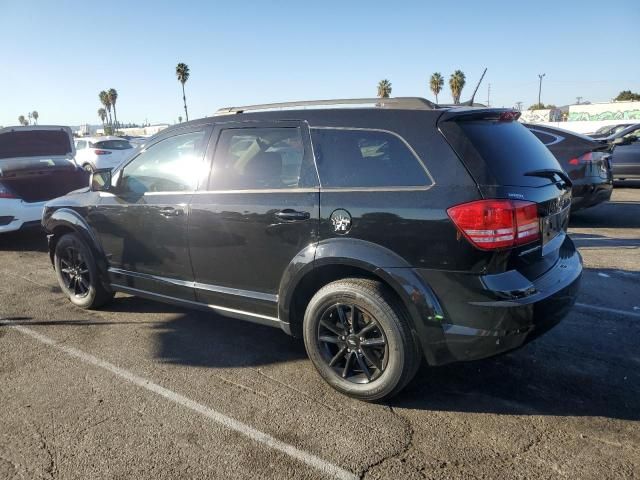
(585,160)
(380,235)
(625,156)
(608,130)
(101,152)
(36,165)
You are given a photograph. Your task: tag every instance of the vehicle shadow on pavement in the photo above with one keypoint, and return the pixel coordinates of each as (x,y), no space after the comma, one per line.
(209,340)
(24,240)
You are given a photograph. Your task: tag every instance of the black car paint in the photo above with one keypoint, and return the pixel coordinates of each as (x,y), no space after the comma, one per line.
(592,181)
(403,237)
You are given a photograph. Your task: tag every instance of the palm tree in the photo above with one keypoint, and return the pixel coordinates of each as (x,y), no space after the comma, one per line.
(182,72)
(456,84)
(102,114)
(384,88)
(112,95)
(104,99)
(436,82)
(22,120)
(35,116)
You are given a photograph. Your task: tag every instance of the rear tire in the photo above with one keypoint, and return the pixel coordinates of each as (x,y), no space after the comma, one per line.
(87,168)
(371,359)
(77,273)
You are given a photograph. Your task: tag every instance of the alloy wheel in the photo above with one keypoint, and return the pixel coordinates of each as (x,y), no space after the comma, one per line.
(352,343)
(75,272)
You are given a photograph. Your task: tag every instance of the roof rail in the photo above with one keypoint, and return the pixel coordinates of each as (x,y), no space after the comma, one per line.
(402,103)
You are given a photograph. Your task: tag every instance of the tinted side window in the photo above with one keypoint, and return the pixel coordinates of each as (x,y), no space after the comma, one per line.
(171,165)
(365,158)
(258,158)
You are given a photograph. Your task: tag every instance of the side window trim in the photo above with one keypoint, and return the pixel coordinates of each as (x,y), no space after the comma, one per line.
(412,188)
(214,141)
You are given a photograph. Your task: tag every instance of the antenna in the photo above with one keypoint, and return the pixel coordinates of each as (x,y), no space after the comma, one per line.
(477,86)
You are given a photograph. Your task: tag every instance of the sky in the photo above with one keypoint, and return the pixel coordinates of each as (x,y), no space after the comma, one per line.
(57,55)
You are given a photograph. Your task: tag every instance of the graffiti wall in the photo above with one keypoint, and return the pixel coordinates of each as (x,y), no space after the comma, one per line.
(605,111)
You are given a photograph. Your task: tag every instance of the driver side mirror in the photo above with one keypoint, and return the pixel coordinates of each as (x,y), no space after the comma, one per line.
(101,180)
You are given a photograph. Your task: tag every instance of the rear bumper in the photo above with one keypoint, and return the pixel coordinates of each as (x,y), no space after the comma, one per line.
(17,214)
(483,317)
(591,192)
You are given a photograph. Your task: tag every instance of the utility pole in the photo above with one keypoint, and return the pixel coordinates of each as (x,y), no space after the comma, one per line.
(519,106)
(488,94)
(540,76)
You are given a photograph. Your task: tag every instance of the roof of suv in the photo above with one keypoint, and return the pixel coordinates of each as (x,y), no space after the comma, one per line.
(334,112)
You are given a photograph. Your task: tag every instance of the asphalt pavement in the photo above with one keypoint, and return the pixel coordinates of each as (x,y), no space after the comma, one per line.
(146,390)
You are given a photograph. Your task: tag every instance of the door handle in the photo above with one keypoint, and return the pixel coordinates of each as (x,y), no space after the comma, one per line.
(292,215)
(171,212)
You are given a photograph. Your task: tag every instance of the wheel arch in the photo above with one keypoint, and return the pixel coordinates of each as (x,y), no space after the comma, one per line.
(339,258)
(66,220)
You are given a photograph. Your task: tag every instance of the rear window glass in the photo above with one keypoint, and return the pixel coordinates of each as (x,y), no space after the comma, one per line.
(509,151)
(365,158)
(112,145)
(34,143)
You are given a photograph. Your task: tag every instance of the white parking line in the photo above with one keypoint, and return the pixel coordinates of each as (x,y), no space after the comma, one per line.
(311,460)
(608,310)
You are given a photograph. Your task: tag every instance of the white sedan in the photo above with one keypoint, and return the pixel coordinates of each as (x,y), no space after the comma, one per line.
(93,153)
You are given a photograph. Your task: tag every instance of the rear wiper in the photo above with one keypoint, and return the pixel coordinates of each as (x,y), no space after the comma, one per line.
(550,174)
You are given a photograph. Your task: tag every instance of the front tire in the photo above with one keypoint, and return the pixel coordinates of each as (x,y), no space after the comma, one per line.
(87,168)
(358,337)
(77,273)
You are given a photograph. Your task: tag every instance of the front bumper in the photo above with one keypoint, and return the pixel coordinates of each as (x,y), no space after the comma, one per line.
(489,315)
(18,214)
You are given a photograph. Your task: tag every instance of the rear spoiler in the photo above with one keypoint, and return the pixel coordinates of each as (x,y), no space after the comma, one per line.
(470,113)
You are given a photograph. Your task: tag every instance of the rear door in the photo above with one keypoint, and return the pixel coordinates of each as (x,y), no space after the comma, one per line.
(258,212)
(508,162)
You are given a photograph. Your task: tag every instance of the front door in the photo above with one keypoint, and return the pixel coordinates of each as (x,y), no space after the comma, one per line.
(142,225)
(260,210)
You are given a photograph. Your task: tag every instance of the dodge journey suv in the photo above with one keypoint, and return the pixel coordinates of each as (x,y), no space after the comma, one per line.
(382,232)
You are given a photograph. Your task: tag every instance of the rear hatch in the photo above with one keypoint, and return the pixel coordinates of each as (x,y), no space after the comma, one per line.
(510,164)
(37,163)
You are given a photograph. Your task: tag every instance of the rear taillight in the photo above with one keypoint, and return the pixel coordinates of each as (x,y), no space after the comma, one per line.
(586,158)
(494,224)
(102,152)
(5,192)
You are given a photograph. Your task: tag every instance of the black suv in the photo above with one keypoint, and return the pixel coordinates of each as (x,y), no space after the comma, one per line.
(381,232)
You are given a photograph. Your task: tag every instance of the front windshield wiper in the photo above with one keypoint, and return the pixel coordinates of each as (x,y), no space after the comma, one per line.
(550,174)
